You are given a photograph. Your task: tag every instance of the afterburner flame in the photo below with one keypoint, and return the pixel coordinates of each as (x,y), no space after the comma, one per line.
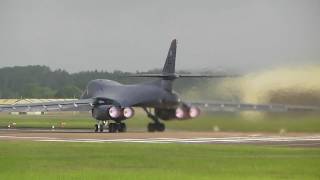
(128,112)
(194,112)
(180,113)
(114,112)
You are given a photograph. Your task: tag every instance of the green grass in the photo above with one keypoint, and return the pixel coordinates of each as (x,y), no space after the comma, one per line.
(294,122)
(46,121)
(230,122)
(52,160)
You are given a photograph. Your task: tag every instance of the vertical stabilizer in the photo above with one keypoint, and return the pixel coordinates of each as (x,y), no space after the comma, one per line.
(169,66)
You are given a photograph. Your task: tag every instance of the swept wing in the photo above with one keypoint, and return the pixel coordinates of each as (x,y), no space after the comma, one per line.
(238,106)
(69,105)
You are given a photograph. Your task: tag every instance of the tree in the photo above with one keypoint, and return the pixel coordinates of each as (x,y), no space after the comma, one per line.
(69,91)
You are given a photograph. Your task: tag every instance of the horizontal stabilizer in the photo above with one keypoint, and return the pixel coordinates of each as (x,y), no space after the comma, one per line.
(206,76)
(175,76)
(238,106)
(148,75)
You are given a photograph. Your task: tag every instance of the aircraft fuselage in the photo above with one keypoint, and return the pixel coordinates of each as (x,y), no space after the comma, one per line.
(145,94)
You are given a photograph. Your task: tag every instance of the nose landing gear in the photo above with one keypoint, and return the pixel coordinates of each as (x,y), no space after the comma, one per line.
(99,127)
(112,127)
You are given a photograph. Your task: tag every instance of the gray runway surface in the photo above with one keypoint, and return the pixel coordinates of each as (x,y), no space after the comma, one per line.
(85,136)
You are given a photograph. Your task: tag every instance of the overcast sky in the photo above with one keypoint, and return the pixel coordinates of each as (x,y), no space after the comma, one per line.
(133,35)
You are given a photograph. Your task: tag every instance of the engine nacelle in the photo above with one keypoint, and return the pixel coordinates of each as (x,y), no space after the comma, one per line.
(105,112)
(100,113)
(181,113)
(186,112)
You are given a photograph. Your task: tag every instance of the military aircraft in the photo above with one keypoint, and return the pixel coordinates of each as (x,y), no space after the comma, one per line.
(109,100)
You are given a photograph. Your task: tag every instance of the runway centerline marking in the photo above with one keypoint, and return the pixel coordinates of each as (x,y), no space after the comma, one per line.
(218,140)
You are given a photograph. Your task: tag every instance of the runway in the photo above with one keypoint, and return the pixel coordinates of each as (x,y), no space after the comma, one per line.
(293,139)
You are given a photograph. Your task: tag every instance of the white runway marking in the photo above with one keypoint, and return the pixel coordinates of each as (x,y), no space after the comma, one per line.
(235,140)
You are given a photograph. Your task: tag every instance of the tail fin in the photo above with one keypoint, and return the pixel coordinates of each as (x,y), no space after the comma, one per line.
(168,74)
(169,66)
(168,71)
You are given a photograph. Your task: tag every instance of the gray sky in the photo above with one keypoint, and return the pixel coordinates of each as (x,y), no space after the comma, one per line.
(128,35)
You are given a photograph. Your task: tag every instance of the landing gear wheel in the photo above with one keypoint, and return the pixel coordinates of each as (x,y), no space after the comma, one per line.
(112,127)
(160,127)
(117,127)
(96,128)
(101,127)
(122,127)
(152,127)
(157,125)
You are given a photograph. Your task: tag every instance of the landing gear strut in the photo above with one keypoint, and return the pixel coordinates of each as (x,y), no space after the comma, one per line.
(156,125)
(99,127)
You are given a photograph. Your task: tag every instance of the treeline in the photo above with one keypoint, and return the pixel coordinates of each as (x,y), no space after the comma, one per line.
(42,82)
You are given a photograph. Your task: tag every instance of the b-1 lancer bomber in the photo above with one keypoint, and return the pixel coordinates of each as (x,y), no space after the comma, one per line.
(109,100)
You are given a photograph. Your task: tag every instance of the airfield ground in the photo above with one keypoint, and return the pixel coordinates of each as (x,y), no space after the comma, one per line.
(38,135)
(63,160)
(217,122)
(220,147)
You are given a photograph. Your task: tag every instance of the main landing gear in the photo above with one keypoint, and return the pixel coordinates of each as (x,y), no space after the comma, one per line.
(112,127)
(117,127)
(156,125)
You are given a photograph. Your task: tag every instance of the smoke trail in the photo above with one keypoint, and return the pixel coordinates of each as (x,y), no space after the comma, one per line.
(298,85)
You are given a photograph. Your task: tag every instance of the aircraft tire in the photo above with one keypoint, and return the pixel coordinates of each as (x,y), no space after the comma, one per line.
(151,127)
(122,127)
(160,127)
(96,128)
(112,128)
(101,128)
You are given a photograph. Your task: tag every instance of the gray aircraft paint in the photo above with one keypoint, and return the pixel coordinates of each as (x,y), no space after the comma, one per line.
(156,94)
(150,94)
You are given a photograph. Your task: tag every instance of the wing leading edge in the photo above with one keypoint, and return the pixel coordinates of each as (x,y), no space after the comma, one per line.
(71,105)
